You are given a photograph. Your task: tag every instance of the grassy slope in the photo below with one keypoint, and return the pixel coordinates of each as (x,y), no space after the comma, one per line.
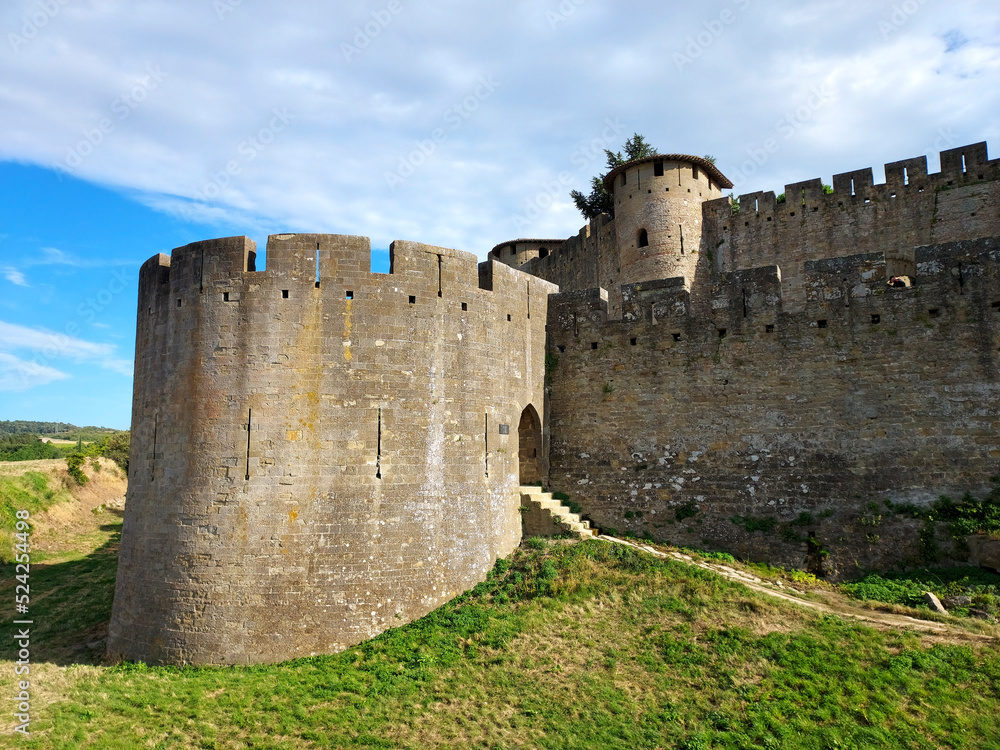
(565,646)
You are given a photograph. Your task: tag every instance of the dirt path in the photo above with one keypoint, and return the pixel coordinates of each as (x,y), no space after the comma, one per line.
(833,604)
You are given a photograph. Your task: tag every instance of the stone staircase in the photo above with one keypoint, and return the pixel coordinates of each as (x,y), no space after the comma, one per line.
(544,516)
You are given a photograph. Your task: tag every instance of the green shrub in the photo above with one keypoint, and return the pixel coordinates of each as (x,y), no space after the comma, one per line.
(687,510)
(74,464)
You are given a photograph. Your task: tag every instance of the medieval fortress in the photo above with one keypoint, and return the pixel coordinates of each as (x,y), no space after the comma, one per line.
(320,453)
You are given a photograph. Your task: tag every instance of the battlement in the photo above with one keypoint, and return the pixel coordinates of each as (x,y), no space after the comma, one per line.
(314,266)
(965,165)
(751,301)
(910,209)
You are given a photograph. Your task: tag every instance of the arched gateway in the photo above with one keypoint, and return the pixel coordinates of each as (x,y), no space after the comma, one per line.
(529,441)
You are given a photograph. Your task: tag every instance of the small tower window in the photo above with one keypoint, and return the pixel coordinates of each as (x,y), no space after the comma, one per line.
(513,251)
(643,239)
(657,169)
(543,252)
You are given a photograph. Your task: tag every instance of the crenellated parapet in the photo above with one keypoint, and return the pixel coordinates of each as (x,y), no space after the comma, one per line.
(750,302)
(320,452)
(911,208)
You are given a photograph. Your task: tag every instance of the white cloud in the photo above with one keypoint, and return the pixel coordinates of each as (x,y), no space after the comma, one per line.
(201,121)
(14,276)
(17,374)
(50,346)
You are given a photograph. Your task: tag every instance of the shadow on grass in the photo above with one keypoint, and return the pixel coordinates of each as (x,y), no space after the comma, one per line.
(70,605)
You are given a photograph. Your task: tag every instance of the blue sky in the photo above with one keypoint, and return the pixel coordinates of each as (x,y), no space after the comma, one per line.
(127,129)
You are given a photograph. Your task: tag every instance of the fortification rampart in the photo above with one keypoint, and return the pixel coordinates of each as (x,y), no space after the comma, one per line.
(515,253)
(318,452)
(699,429)
(588,259)
(912,208)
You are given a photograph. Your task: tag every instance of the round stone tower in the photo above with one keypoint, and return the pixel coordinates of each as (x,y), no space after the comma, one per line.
(658,213)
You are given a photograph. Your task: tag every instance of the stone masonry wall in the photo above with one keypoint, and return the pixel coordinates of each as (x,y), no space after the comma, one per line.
(912,208)
(319,453)
(587,260)
(797,423)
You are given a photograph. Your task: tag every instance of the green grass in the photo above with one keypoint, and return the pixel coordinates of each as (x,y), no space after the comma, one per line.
(30,492)
(564,646)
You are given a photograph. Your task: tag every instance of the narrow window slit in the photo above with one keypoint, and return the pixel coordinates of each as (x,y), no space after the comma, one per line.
(486,443)
(439,275)
(249,425)
(317,265)
(152,463)
(378,456)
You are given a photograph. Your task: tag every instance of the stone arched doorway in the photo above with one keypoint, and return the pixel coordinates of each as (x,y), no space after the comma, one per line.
(529,446)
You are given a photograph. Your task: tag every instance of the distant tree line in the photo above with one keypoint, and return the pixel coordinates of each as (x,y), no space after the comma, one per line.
(55,430)
(25,447)
(20,427)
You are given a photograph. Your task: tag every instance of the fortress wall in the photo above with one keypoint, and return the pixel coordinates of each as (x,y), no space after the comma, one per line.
(586,260)
(518,252)
(912,208)
(316,461)
(867,392)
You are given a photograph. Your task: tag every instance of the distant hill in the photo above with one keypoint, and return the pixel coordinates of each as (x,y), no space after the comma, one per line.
(57,430)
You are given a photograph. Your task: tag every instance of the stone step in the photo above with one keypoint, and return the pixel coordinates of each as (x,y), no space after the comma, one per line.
(546,516)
